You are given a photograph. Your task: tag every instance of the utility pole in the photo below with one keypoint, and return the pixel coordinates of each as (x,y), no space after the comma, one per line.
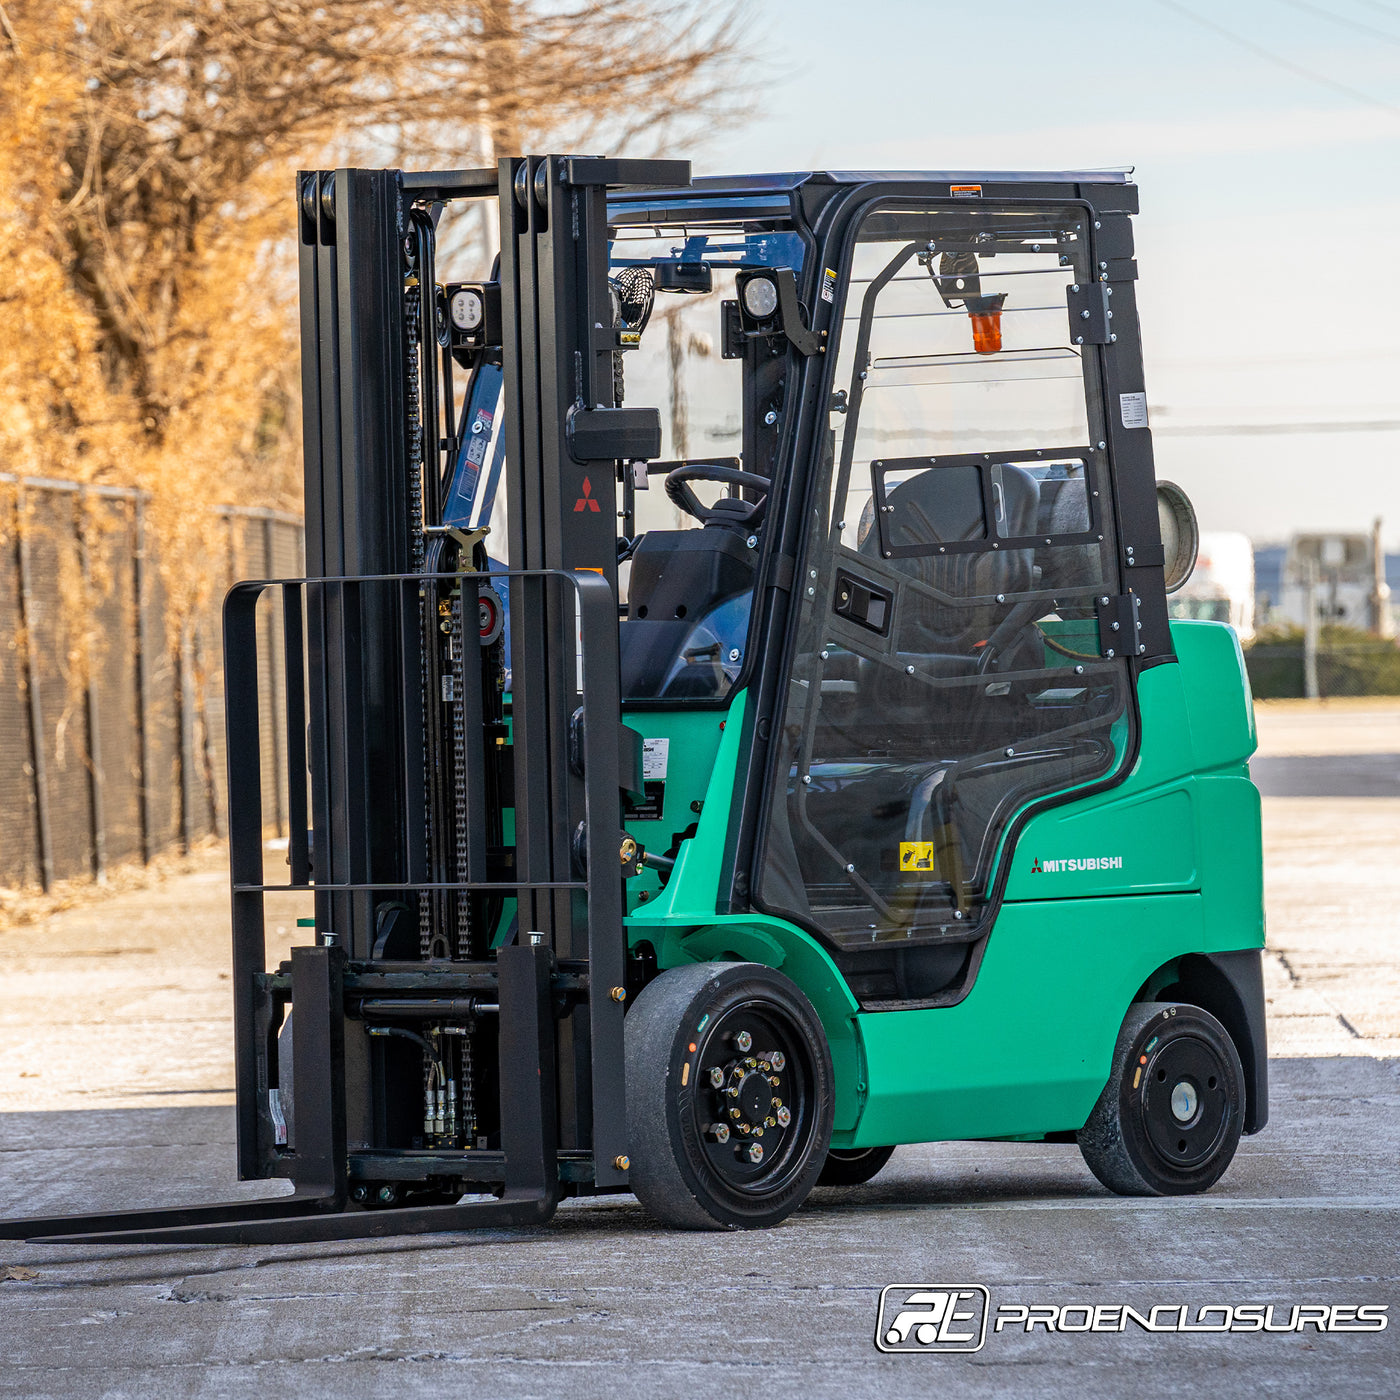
(1382,619)
(1310,636)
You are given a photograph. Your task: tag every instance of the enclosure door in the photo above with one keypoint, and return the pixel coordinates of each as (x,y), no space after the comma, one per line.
(947,667)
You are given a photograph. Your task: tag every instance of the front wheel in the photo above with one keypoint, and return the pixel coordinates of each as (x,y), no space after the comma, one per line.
(1170,1117)
(729,1096)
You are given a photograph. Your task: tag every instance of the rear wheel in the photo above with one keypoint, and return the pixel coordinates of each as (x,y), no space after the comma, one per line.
(850,1166)
(729,1096)
(1169,1120)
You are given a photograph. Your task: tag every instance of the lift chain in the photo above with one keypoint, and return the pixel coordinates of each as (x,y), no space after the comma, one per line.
(465,942)
(418,559)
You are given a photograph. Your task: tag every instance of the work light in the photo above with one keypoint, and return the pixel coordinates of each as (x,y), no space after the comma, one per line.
(466,310)
(760,297)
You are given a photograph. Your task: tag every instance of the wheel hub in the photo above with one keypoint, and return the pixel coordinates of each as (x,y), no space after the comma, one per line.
(748,1099)
(755,1098)
(1185,1101)
(1185,1106)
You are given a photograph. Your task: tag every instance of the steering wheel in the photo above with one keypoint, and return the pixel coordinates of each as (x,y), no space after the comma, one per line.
(728,510)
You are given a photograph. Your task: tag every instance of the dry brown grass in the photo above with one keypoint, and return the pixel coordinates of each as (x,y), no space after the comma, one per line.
(29,906)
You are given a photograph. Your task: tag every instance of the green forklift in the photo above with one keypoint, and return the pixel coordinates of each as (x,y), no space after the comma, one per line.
(743,732)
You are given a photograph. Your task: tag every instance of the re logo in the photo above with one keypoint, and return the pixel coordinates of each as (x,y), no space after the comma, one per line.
(586,501)
(917,1318)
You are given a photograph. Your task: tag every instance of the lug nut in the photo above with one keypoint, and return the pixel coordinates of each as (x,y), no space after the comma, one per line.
(733,1112)
(784,1117)
(755,1152)
(388,1194)
(717,1132)
(622,1162)
(774,1080)
(777,1059)
(717,1078)
(743,1041)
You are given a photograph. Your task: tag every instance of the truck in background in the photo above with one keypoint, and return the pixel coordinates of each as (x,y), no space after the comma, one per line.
(1221,587)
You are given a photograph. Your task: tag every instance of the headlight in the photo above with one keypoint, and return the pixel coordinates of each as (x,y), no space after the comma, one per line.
(760,297)
(466,310)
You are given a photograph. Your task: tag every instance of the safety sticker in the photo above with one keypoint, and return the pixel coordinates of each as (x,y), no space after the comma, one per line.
(654,754)
(279,1119)
(1134,410)
(828,292)
(916,855)
(480,438)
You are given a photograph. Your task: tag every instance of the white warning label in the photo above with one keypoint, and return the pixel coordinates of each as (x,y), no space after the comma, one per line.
(654,755)
(1134,410)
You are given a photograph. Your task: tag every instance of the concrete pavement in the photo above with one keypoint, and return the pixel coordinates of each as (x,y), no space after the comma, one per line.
(125,1102)
(600,1303)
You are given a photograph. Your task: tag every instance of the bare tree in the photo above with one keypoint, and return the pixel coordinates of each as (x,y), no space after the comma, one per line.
(161,136)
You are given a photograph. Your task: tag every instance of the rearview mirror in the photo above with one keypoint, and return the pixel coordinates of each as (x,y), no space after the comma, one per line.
(1181,537)
(696,278)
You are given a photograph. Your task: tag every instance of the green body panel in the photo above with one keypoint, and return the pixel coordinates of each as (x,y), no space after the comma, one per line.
(693,738)
(1027,1051)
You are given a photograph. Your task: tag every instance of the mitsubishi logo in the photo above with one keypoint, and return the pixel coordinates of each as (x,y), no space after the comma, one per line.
(586,501)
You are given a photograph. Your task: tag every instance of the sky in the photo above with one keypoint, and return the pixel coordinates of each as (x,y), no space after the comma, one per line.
(1268,161)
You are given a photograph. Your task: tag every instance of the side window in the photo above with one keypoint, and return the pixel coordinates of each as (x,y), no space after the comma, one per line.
(685,584)
(947,667)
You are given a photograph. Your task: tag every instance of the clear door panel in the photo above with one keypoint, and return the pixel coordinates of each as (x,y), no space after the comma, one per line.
(947,668)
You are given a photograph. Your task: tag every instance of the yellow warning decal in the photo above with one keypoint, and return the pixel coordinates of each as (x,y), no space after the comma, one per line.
(916,855)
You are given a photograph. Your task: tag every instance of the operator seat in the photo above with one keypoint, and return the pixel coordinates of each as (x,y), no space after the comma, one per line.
(943,505)
(671,643)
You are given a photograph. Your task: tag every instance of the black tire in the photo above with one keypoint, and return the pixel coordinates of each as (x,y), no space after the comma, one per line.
(851,1166)
(1169,1119)
(691,1021)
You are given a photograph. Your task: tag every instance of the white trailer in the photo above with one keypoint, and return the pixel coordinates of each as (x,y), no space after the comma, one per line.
(1221,587)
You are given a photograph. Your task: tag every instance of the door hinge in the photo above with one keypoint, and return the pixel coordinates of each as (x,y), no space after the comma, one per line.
(783,572)
(1120,625)
(1090,314)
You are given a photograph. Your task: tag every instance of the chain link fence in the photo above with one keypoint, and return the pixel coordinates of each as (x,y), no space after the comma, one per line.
(111,678)
(1279,670)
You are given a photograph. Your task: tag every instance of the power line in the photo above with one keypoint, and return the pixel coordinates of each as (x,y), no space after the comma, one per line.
(1345,20)
(1278,60)
(1377,425)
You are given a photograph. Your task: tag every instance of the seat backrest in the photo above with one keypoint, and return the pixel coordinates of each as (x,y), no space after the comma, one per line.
(943,505)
